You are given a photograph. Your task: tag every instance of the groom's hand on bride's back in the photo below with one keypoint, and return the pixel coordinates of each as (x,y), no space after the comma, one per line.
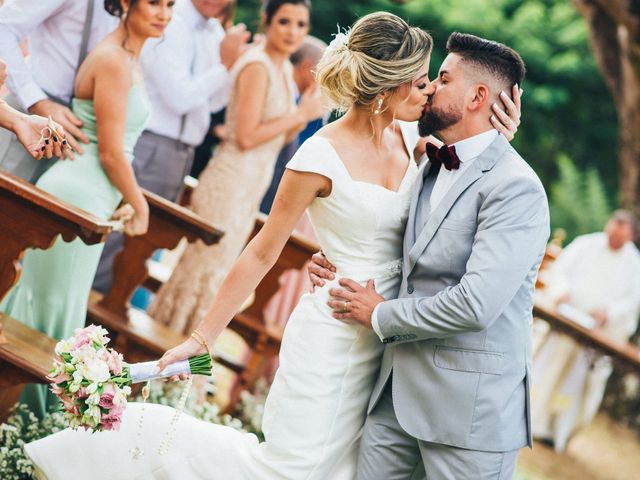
(320,269)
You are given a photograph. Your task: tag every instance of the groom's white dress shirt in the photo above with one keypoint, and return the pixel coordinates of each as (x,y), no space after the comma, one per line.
(54,29)
(467,150)
(184,75)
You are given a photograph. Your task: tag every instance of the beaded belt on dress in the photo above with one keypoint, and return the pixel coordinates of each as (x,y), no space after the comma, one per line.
(382,270)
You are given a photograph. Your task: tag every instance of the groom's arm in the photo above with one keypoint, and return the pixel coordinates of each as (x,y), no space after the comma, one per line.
(513,228)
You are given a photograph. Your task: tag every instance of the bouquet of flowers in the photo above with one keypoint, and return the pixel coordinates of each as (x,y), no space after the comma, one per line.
(93,382)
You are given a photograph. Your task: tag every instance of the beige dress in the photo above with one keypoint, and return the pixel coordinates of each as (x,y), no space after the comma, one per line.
(229,195)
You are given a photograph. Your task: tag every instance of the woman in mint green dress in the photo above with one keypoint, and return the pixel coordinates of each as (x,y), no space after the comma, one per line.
(52,293)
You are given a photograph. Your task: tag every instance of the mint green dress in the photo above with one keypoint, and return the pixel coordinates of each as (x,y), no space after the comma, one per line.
(52,293)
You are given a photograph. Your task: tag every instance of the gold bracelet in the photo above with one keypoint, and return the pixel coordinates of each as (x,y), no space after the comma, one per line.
(198,337)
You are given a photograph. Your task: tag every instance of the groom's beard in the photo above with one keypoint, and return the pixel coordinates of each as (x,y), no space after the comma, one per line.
(436,119)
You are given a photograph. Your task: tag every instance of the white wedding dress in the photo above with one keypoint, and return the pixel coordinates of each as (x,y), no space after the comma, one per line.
(317,404)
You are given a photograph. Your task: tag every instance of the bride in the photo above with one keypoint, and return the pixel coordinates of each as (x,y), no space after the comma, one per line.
(355,177)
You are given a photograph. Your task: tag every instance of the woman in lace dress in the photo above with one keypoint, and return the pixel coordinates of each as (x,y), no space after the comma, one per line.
(260,118)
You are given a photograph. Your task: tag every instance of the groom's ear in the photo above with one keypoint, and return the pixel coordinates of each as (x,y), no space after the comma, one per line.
(479,97)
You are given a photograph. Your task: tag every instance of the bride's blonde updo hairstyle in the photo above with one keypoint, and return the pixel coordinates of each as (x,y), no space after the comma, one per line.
(379,54)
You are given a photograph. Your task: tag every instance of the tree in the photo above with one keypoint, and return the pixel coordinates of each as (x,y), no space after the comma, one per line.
(614,29)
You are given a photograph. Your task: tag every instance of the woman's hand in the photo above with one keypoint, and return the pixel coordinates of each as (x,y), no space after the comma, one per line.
(310,106)
(187,349)
(136,222)
(41,137)
(65,117)
(507,123)
(139,223)
(319,270)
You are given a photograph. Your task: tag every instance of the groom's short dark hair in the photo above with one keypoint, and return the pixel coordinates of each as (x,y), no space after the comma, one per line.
(500,61)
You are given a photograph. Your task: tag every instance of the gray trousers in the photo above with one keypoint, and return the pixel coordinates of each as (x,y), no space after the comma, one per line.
(160,165)
(387,452)
(13,156)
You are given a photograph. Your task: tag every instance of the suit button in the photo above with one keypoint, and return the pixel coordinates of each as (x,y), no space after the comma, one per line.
(410,289)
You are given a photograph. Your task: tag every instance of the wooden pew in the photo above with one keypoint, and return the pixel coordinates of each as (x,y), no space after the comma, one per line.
(625,355)
(136,335)
(26,356)
(31,218)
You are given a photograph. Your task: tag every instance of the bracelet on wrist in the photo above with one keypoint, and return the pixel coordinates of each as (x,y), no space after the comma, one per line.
(198,337)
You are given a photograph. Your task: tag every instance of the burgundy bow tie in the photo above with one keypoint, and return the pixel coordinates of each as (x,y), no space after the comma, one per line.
(444,155)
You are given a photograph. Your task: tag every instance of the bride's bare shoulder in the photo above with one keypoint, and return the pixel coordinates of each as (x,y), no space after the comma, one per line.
(331,131)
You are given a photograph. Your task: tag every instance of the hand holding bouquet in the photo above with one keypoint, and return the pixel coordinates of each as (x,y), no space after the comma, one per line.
(93,382)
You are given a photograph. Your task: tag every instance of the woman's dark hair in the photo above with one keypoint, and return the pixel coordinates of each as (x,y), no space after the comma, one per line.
(114,7)
(271,7)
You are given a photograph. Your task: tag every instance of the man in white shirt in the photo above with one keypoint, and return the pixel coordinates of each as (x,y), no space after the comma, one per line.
(60,33)
(596,280)
(186,75)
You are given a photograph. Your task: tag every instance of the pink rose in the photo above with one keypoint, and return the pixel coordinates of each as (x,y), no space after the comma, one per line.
(111,420)
(82,338)
(106,399)
(114,361)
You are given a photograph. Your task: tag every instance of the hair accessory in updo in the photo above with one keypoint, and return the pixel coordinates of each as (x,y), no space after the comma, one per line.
(378,54)
(340,40)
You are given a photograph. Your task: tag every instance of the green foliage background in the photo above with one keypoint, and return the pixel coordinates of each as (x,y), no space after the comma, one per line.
(567,110)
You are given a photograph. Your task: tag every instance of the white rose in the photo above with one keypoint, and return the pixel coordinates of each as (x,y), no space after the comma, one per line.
(96,371)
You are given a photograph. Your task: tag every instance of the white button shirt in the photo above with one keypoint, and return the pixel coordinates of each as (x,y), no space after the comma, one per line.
(467,150)
(184,76)
(54,29)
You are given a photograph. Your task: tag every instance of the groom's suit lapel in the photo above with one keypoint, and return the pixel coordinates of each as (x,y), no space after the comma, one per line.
(410,230)
(482,164)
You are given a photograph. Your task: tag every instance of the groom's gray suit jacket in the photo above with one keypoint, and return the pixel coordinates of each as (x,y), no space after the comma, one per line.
(458,336)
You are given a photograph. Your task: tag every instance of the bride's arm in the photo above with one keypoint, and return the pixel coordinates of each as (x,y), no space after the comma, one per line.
(297,190)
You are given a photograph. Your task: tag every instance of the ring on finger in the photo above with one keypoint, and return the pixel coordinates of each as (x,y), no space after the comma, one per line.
(345,308)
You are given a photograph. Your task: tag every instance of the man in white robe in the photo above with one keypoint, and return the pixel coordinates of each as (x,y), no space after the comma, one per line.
(598,277)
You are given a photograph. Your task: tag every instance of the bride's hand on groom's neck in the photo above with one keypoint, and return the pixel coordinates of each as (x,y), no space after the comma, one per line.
(506,117)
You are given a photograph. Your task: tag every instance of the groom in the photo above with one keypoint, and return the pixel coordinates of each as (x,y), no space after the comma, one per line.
(452,398)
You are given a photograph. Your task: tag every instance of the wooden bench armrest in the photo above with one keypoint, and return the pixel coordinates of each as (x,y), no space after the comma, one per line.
(625,354)
(168,224)
(26,355)
(32,218)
